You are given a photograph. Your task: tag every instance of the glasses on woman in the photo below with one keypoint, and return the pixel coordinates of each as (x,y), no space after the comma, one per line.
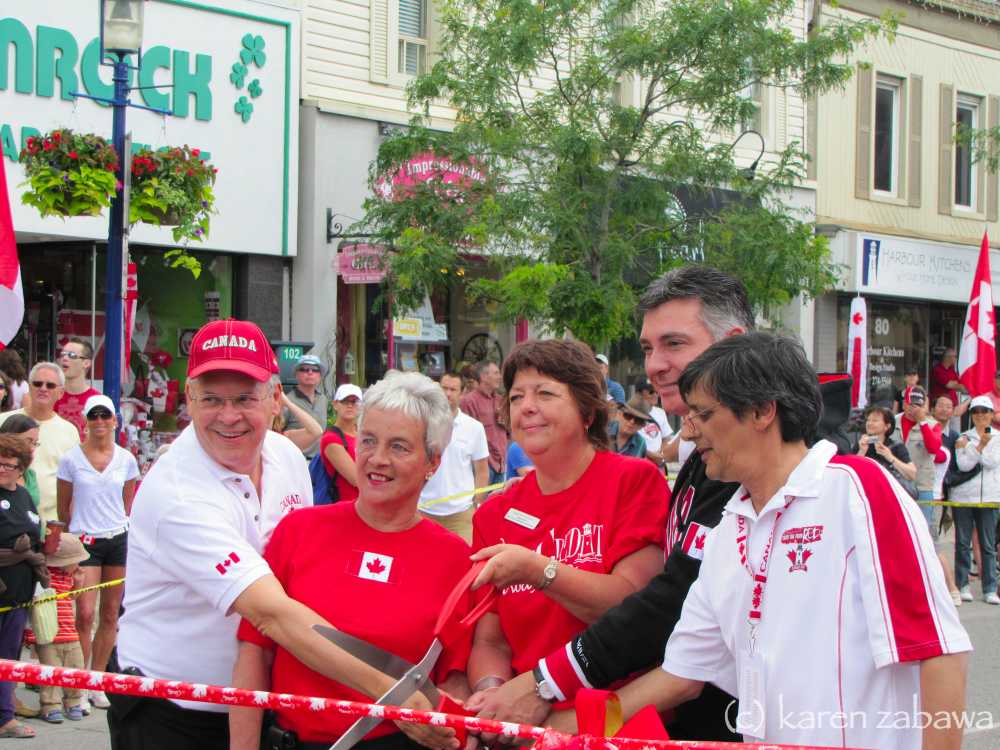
(99,414)
(979,410)
(632,418)
(307,368)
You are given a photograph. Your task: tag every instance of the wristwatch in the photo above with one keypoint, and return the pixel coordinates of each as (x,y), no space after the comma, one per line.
(542,688)
(548,574)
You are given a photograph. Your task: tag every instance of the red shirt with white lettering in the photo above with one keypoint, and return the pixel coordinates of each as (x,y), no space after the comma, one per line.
(617,507)
(70,407)
(385,588)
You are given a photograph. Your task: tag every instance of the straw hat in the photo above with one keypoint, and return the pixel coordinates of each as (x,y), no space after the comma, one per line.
(70,552)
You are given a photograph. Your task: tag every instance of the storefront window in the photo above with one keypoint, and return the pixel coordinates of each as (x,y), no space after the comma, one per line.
(897,338)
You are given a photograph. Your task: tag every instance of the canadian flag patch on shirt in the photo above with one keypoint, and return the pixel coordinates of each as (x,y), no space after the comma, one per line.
(694,541)
(231,559)
(372,566)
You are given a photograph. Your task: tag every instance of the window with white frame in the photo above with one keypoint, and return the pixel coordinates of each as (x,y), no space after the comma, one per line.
(966,118)
(412,36)
(887,125)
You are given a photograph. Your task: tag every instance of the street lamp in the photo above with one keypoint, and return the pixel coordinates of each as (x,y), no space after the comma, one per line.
(121,36)
(121,30)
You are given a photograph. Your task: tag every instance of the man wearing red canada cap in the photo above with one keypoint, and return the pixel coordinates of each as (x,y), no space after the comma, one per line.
(199,524)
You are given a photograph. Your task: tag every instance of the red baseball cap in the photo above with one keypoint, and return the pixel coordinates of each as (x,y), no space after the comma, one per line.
(232,346)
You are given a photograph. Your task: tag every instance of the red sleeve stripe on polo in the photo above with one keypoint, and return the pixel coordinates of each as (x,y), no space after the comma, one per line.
(562,672)
(913,626)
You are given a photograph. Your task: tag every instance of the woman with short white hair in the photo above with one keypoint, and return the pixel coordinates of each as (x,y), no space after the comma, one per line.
(374,568)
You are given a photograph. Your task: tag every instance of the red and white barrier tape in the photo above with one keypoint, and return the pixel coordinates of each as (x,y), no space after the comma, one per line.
(149,687)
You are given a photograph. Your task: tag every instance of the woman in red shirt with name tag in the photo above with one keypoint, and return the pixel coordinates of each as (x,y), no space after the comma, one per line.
(574,537)
(373,568)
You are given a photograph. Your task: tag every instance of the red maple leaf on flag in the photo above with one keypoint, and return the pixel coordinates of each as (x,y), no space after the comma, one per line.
(857,319)
(375,566)
(699,541)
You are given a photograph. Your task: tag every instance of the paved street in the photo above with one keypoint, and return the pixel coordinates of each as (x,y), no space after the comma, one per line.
(981,620)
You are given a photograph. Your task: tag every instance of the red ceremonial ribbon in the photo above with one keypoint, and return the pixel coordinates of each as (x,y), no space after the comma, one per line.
(149,687)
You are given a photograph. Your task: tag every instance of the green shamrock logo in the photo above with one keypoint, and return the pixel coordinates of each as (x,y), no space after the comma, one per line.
(238,75)
(253,50)
(254,88)
(244,108)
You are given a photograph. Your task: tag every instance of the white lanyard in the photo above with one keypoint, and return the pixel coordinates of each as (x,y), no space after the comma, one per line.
(759,579)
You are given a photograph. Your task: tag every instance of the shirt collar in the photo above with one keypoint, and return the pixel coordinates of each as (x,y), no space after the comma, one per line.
(191,446)
(804,483)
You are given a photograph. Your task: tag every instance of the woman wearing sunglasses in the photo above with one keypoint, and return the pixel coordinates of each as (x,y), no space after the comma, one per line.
(96,485)
(630,418)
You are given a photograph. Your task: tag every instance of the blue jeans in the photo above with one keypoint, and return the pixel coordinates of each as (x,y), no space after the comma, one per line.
(985,522)
(11,632)
(929,511)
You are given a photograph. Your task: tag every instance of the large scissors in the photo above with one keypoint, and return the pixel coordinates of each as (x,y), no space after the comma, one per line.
(412,678)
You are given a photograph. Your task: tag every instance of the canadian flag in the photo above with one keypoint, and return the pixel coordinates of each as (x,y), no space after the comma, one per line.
(977,363)
(373,567)
(231,559)
(131,295)
(857,352)
(11,292)
(693,544)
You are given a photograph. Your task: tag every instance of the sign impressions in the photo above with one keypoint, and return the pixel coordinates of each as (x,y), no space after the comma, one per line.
(361,264)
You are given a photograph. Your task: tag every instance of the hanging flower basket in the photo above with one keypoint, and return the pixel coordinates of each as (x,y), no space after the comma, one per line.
(173,187)
(69,174)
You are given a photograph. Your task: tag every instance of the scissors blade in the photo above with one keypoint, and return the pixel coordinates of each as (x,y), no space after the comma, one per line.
(416,678)
(382,660)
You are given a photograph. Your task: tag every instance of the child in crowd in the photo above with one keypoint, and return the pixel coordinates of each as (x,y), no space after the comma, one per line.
(64,651)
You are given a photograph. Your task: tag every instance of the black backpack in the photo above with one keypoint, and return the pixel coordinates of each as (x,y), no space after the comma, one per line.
(325,490)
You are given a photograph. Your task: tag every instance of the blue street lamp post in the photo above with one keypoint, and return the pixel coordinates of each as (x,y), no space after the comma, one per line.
(121,36)
(113,272)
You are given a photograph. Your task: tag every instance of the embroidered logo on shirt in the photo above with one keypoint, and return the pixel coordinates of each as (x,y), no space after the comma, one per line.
(800,537)
(694,541)
(223,567)
(291,502)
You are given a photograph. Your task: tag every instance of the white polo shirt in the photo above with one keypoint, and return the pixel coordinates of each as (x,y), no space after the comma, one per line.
(455,474)
(195,542)
(854,599)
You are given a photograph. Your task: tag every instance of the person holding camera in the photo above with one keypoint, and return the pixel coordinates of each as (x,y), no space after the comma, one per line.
(878,445)
(977,448)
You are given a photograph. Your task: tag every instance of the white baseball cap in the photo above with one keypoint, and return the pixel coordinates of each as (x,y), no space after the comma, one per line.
(344,390)
(602,358)
(101,400)
(982,402)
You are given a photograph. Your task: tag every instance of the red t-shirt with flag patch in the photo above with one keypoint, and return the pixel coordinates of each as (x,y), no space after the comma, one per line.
(385,588)
(617,507)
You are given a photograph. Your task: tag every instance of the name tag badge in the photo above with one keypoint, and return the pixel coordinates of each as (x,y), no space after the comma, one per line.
(521,518)
(753,710)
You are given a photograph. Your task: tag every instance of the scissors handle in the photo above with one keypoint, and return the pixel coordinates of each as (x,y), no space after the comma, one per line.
(448,630)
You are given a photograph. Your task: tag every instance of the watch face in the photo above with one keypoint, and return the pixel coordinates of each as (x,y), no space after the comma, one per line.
(545,691)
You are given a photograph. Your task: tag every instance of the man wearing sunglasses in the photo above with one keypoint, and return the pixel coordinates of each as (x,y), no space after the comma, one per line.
(309,372)
(75,359)
(56,436)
